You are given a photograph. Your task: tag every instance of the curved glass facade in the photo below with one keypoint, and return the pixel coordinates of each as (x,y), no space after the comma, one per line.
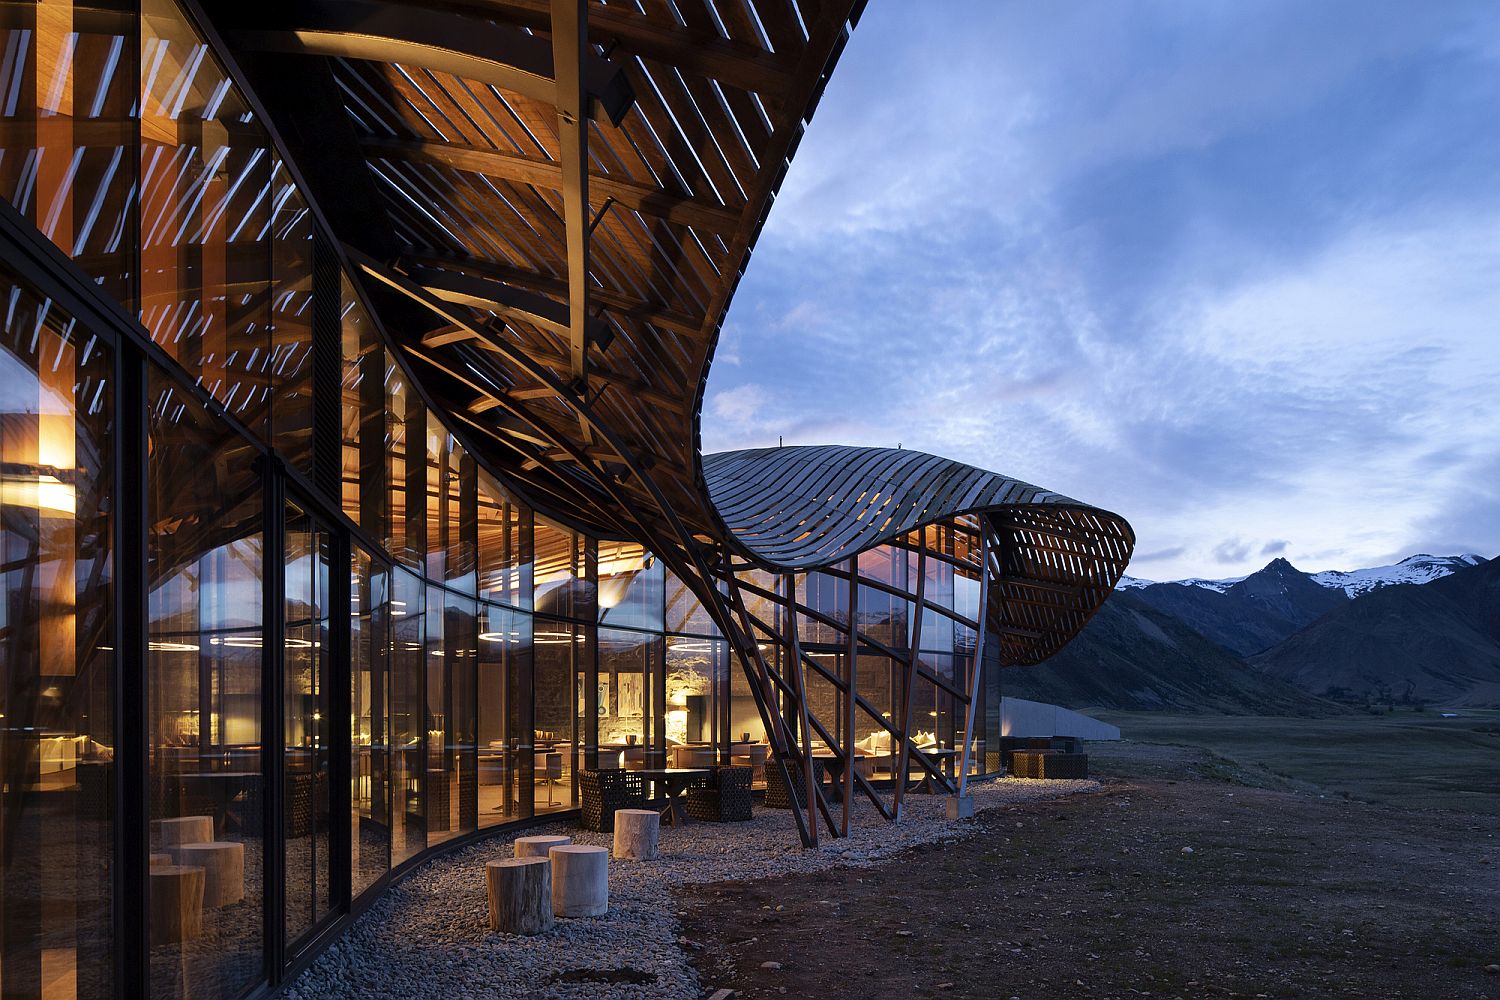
(270,631)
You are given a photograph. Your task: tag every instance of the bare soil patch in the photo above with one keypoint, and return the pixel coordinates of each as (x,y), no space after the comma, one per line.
(1283,894)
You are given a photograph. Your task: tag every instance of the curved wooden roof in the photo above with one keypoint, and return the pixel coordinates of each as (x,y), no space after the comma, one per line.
(1054,560)
(552,201)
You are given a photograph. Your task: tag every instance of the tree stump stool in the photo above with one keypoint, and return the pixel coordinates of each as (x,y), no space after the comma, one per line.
(184,830)
(538,846)
(176,903)
(223,865)
(520,891)
(159,858)
(580,880)
(637,832)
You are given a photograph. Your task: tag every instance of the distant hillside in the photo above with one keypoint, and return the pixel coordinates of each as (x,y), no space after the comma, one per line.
(1251,615)
(1133,656)
(1438,642)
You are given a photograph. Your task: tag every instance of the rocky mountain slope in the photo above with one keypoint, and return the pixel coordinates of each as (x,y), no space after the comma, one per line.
(1437,643)
(1138,657)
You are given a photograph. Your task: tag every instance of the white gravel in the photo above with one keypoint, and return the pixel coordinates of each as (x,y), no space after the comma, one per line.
(428,936)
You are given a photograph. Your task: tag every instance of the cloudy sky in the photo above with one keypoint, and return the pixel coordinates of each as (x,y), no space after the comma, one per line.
(1230,269)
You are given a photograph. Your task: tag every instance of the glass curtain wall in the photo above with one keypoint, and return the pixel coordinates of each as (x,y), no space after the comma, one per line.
(205,692)
(57,651)
(306,719)
(369,694)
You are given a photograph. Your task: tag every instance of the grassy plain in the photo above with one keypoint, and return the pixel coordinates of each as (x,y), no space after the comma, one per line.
(1414,760)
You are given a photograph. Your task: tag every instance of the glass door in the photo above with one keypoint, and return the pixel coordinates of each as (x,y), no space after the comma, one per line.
(306,708)
(369,743)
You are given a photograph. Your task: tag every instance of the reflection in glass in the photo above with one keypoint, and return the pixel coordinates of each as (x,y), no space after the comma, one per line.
(408,732)
(206,211)
(631,584)
(504,716)
(306,717)
(369,754)
(562,671)
(67,131)
(204,693)
(57,656)
(627,697)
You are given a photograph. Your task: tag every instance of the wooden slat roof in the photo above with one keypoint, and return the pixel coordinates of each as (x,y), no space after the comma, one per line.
(464,169)
(802,508)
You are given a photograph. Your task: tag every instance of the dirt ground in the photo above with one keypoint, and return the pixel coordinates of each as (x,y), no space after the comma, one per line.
(1283,894)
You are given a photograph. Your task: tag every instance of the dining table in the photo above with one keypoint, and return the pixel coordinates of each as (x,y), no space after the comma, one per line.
(943,758)
(673,783)
(833,766)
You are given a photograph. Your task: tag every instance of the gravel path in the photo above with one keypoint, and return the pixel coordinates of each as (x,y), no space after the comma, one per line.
(428,936)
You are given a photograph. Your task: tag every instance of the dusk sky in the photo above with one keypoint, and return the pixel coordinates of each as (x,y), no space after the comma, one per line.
(1229,269)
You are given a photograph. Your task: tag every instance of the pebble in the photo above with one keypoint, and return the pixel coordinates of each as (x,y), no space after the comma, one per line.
(428,934)
(1187,850)
(773,966)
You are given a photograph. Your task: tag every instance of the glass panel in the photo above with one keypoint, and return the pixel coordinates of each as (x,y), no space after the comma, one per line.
(460,514)
(557,653)
(697,683)
(684,612)
(204,691)
(562,587)
(362,415)
(205,214)
(369,755)
(291,293)
(504,538)
(629,668)
(408,747)
(450,707)
(67,131)
(306,790)
(436,482)
(504,752)
(631,586)
(57,658)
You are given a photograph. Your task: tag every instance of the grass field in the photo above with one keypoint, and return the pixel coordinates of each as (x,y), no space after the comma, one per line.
(1416,760)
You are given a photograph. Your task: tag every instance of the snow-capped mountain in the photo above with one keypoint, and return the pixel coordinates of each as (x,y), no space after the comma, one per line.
(1420,568)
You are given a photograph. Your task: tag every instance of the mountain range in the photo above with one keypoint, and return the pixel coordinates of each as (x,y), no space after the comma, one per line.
(1281,641)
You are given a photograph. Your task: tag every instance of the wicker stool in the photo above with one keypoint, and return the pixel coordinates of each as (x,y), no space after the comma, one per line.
(1049,764)
(726,797)
(778,796)
(605,791)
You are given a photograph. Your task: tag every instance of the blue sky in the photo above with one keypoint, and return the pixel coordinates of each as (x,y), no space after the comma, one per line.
(1229,269)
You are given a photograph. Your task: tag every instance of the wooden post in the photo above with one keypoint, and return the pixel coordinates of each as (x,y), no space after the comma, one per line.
(799,679)
(538,846)
(580,881)
(185,830)
(223,865)
(637,834)
(520,895)
(979,637)
(176,903)
(853,673)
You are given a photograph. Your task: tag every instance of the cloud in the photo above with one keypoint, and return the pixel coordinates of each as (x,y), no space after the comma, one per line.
(740,405)
(1231,551)
(1227,271)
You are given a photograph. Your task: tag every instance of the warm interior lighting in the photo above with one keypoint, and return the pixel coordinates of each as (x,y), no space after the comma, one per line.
(41,492)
